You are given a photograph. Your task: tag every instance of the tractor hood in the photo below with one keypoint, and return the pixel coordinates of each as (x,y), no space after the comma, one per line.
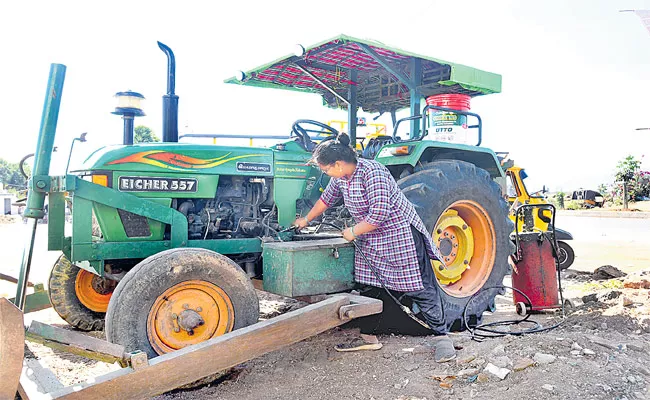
(181,158)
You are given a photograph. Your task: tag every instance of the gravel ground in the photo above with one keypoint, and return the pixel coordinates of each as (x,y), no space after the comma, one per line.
(599,352)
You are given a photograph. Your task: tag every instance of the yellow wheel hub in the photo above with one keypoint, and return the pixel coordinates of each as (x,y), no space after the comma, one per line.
(454,238)
(466,238)
(189,313)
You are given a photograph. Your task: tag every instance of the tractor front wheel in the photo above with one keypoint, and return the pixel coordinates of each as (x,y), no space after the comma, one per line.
(79,297)
(177,298)
(468,220)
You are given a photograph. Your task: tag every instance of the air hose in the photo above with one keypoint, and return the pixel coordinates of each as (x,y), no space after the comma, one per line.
(404,308)
(474,330)
(536,328)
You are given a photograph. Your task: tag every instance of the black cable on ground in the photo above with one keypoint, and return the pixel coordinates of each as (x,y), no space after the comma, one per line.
(536,328)
(491,333)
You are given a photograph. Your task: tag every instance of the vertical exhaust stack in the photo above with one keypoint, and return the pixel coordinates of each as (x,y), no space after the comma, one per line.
(170,100)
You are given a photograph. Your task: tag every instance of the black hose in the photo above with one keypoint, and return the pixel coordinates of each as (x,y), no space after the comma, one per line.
(537,327)
(20,165)
(404,308)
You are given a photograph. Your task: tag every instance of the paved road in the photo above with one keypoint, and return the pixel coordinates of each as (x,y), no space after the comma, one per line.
(621,242)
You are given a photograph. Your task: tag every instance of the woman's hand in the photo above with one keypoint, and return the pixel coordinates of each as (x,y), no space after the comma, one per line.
(300,222)
(348,234)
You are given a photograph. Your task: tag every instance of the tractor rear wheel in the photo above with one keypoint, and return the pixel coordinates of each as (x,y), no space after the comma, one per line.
(468,219)
(177,298)
(80,297)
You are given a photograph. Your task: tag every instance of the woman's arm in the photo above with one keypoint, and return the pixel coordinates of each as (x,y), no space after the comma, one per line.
(359,229)
(317,210)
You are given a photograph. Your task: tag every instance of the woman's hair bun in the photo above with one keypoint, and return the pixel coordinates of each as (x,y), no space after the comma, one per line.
(343,138)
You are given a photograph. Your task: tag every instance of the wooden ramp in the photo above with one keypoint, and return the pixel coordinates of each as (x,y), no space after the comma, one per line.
(12,348)
(192,363)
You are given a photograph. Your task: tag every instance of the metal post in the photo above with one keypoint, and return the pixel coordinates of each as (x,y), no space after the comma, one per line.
(35,198)
(45,144)
(352,108)
(416,78)
(25,266)
(128,129)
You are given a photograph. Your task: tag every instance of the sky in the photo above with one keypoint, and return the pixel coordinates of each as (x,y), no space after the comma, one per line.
(575,73)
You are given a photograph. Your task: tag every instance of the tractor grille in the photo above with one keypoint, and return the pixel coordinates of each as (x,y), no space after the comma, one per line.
(134,225)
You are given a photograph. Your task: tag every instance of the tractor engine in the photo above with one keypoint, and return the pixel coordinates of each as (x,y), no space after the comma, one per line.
(242,208)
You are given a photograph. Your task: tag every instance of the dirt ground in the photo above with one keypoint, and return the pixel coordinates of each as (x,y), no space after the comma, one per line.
(601,351)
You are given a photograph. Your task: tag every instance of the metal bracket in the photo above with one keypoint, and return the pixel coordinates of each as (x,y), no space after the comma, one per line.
(360,306)
(137,360)
(323,84)
(403,78)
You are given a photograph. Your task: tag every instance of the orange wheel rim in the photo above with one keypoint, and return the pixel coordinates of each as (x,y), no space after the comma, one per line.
(93,291)
(469,256)
(172,322)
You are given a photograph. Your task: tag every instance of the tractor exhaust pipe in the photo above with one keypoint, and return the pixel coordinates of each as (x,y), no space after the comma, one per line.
(170,100)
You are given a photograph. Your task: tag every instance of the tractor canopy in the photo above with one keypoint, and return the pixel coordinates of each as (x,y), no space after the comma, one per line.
(382,78)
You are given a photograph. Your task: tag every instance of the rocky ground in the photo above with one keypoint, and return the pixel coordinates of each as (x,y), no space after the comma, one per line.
(599,352)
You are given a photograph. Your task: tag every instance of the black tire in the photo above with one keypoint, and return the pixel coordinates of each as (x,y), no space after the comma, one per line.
(132,301)
(63,296)
(432,188)
(565,255)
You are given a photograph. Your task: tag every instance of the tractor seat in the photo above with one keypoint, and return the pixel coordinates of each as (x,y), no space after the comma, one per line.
(374,145)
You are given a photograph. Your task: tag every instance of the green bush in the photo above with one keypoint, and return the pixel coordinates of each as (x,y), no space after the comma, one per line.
(572,205)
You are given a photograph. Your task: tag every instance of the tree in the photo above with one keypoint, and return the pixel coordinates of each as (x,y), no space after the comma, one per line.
(10,176)
(144,134)
(626,170)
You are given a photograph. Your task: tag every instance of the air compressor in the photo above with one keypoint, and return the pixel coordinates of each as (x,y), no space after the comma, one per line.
(536,273)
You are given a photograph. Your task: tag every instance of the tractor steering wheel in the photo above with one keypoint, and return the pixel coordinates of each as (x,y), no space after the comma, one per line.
(303,133)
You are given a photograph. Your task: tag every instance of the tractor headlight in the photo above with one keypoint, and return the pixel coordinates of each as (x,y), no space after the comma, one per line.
(401,150)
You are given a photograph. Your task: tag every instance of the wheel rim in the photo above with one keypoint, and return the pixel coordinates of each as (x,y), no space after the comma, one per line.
(93,291)
(189,313)
(465,235)
(562,255)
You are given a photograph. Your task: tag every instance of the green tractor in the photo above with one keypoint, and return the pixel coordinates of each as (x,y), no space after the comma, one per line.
(169,238)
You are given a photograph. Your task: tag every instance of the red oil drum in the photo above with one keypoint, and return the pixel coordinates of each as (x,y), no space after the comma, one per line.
(536,274)
(448,126)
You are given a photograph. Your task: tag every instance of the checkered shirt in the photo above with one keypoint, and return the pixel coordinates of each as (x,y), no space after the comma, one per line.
(372,195)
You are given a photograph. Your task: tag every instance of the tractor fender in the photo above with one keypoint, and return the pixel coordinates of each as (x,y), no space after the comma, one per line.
(429,151)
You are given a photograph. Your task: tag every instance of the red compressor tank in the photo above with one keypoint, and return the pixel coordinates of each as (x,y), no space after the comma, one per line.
(535,272)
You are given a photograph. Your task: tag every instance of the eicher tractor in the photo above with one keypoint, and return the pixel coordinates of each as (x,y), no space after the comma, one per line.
(169,241)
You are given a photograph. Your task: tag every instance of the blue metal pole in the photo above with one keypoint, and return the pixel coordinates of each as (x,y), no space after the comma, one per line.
(40,181)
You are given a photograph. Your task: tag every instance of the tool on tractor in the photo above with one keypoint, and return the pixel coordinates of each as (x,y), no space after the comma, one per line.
(166,237)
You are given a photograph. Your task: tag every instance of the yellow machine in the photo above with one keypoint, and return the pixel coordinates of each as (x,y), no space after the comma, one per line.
(372,131)
(518,195)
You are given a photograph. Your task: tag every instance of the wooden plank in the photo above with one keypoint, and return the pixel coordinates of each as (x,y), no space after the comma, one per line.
(203,359)
(75,343)
(12,348)
(11,279)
